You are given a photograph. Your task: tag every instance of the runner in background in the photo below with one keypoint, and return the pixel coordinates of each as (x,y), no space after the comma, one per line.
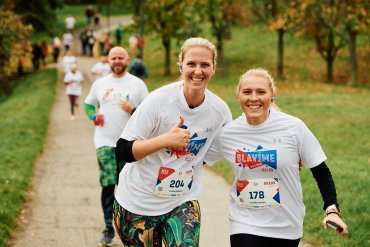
(111,101)
(73,79)
(101,68)
(138,68)
(68,60)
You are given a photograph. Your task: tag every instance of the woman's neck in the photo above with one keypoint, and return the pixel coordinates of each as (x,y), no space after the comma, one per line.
(194,99)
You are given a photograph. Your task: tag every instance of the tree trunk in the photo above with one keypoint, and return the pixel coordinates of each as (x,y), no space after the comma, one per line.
(329,68)
(280,59)
(166,41)
(221,68)
(353,57)
(330,57)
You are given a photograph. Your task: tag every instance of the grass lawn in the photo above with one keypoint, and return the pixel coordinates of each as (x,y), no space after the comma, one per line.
(25,118)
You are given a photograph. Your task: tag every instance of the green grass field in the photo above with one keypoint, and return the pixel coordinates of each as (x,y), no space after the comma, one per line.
(338,116)
(25,118)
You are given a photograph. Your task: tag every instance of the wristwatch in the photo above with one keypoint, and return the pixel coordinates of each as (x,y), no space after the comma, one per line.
(332,209)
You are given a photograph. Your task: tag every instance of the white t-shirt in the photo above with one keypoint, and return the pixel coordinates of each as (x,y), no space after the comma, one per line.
(267,156)
(70,22)
(106,93)
(67,39)
(100,69)
(74,88)
(67,61)
(157,115)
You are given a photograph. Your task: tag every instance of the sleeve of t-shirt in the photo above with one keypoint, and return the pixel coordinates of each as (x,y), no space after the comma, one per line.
(92,97)
(309,147)
(143,122)
(94,68)
(67,77)
(214,153)
(143,92)
(81,76)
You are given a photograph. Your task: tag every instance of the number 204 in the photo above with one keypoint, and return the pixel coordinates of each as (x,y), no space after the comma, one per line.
(176,183)
(256,195)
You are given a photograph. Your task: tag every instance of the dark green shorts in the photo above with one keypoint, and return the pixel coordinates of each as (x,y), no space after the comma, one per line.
(109,170)
(180,227)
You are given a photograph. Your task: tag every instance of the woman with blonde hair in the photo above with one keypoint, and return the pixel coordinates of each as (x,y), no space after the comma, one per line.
(164,143)
(265,148)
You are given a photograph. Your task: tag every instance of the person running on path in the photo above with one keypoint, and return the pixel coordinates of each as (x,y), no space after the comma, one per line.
(56,48)
(68,60)
(265,148)
(138,68)
(67,41)
(164,143)
(70,23)
(73,79)
(117,96)
(101,68)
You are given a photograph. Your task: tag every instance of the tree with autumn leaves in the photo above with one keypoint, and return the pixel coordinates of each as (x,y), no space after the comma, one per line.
(275,14)
(13,35)
(332,24)
(178,20)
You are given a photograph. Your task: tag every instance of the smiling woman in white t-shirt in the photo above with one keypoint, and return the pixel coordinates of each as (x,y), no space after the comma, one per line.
(265,148)
(164,143)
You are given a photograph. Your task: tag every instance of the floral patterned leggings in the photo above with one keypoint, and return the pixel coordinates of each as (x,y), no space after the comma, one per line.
(180,227)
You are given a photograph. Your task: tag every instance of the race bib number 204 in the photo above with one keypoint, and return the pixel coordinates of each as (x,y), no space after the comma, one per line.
(173,183)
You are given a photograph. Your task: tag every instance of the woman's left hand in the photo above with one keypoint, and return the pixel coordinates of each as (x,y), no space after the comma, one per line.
(337,220)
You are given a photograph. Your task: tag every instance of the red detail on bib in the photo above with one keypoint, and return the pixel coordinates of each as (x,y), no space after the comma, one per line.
(241,184)
(165,172)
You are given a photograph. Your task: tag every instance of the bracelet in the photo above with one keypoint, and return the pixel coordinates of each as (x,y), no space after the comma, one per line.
(332,212)
(133,110)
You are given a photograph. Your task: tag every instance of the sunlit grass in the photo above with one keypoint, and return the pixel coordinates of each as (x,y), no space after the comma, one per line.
(25,117)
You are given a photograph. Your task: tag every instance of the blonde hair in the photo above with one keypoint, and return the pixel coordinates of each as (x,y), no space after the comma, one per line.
(192,42)
(260,72)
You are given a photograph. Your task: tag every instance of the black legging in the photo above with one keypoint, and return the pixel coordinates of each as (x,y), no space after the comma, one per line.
(107,200)
(248,240)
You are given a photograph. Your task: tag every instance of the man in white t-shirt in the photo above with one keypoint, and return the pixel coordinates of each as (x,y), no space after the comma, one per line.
(67,61)
(70,23)
(67,41)
(117,96)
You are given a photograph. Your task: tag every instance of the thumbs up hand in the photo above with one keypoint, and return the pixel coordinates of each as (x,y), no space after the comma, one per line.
(178,136)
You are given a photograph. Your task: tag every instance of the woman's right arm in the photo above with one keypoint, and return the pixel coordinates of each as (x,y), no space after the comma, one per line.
(129,151)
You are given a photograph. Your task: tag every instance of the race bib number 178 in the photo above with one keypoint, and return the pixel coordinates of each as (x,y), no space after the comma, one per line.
(258,193)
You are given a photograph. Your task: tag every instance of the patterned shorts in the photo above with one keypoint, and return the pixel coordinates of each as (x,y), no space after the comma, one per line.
(109,170)
(180,227)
